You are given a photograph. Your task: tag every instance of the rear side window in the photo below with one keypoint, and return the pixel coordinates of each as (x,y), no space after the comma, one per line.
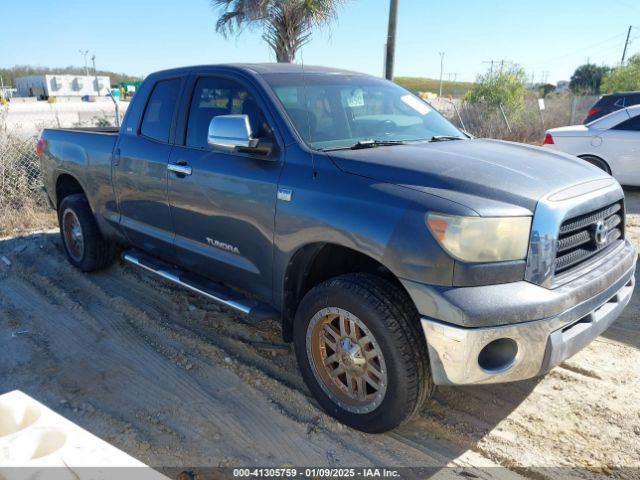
(158,115)
(633,124)
(619,102)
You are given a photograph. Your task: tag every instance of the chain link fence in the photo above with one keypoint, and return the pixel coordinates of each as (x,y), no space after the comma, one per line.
(526,124)
(23,205)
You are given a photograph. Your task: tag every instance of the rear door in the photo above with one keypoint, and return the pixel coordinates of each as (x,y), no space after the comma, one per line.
(140,172)
(622,146)
(224,208)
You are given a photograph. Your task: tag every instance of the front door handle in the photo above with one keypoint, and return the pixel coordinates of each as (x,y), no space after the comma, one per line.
(179,168)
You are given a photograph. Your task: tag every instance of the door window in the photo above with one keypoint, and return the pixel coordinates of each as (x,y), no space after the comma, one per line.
(220,96)
(632,124)
(158,115)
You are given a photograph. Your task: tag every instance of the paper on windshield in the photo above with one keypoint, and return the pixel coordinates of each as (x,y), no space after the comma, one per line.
(355,98)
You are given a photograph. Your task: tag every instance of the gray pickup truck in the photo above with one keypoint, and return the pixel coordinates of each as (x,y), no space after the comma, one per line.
(398,252)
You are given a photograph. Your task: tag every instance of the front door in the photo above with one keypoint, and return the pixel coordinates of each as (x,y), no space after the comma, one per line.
(223,208)
(140,173)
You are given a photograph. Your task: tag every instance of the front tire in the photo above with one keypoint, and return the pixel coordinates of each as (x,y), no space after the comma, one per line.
(83,243)
(361,352)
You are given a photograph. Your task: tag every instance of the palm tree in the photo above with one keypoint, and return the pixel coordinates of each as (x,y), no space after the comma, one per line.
(286,24)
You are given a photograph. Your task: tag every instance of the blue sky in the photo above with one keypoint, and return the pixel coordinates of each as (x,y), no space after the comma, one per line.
(547,37)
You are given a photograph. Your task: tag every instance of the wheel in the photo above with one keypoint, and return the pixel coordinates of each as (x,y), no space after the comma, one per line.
(84,245)
(361,352)
(597,161)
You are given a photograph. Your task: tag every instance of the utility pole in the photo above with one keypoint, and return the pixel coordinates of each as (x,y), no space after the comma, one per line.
(84,53)
(95,73)
(626,44)
(502,63)
(391,39)
(441,67)
(490,68)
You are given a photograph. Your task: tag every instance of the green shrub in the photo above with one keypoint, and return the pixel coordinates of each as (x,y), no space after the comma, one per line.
(624,78)
(506,87)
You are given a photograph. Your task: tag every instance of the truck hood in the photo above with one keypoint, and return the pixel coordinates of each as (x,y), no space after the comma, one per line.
(491,177)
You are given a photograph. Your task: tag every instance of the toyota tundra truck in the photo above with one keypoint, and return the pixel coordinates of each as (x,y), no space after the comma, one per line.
(399,252)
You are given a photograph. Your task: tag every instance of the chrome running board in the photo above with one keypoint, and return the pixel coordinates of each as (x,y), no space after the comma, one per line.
(211,290)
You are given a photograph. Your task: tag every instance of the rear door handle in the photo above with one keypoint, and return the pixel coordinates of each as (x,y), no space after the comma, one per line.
(179,169)
(116,157)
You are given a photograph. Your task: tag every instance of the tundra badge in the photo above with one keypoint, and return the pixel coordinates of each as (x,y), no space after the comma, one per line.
(223,246)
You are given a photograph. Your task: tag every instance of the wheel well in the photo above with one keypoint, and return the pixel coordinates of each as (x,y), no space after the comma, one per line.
(66,185)
(587,156)
(313,264)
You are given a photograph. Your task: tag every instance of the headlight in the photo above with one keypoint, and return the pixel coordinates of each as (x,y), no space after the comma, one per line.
(482,239)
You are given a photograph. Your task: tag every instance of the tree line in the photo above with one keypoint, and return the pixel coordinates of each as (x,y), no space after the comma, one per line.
(593,79)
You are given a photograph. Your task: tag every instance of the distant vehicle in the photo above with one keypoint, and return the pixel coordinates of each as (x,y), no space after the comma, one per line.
(398,253)
(611,143)
(612,102)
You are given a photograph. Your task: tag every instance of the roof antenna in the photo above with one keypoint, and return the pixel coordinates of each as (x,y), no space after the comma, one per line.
(306,104)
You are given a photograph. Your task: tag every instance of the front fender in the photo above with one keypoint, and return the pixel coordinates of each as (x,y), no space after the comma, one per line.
(383,221)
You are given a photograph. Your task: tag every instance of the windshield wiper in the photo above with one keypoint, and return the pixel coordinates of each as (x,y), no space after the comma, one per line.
(375,143)
(444,138)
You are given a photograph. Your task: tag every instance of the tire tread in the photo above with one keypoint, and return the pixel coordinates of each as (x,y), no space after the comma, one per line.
(99,252)
(402,324)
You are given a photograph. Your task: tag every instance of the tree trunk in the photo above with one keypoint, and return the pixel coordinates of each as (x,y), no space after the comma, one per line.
(283,55)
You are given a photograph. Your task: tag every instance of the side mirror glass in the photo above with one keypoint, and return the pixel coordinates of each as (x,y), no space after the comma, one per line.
(230,132)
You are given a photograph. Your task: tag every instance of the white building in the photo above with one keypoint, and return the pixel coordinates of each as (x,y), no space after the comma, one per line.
(562,86)
(43,86)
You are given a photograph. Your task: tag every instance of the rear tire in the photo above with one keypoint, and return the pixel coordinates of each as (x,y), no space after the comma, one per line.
(597,161)
(83,243)
(381,348)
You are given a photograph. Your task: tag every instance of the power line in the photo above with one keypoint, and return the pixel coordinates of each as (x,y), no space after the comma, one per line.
(584,48)
(604,51)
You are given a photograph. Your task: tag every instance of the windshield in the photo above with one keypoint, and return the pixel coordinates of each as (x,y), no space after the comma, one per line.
(332,111)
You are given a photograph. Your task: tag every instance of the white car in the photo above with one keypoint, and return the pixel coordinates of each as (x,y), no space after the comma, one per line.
(611,142)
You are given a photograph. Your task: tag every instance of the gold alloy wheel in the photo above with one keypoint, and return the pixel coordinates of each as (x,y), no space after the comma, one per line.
(346,360)
(73,237)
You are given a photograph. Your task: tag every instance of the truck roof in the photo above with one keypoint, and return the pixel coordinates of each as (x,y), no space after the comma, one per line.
(264,68)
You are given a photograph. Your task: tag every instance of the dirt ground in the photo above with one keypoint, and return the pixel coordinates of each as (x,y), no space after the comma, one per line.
(175,381)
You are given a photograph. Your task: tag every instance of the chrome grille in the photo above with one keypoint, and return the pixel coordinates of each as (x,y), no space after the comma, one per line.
(578,239)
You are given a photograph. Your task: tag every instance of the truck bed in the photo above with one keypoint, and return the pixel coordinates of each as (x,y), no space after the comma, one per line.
(83,153)
(102,130)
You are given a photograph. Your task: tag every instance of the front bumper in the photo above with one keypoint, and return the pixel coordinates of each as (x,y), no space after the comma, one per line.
(542,343)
